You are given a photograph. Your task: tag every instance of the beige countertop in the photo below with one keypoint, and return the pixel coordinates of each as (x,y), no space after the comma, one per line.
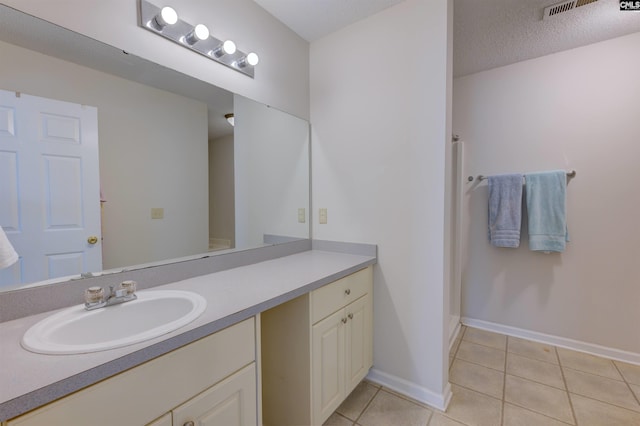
(29,380)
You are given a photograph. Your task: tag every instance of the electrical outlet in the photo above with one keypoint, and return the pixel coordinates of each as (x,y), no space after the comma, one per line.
(157,213)
(323,216)
(302,217)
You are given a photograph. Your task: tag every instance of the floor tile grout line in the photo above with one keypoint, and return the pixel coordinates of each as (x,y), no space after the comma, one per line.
(605,402)
(431,414)
(592,373)
(537,382)
(344,417)
(624,379)
(406,398)
(504,380)
(477,391)
(532,358)
(475,363)
(612,361)
(596,375)
(515,404)
(367,405)
(481,344)
(564,379)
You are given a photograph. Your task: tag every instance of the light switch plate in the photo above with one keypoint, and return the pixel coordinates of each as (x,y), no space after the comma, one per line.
(302,217)
(323,216)
(157,213)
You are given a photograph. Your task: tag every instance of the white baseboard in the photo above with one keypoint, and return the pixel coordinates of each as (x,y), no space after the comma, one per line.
(412,390)
(563,342)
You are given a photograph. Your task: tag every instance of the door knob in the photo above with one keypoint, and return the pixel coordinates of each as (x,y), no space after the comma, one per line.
(92,239)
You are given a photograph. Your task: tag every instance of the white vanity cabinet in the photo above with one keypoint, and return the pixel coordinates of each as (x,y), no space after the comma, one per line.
(315,350)
(211,381)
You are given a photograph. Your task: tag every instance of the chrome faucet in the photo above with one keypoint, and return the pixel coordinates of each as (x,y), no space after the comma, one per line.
(94,297)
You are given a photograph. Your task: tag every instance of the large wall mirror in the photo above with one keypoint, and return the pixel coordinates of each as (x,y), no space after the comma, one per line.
(171,177)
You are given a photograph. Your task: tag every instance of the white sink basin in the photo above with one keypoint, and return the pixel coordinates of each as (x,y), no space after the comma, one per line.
(76,330)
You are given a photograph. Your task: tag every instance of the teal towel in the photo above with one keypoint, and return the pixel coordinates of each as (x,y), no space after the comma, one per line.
(505,210)
(546,205)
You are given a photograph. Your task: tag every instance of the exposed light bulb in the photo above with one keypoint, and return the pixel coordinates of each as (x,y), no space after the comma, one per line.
(167,16)
(251,59)
(200,32)
(228,47)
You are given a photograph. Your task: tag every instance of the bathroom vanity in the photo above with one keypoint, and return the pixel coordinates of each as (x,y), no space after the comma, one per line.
(315,350)
(289,336)
(214,377)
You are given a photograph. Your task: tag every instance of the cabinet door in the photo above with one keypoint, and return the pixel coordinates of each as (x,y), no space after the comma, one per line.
(231,402)
(327,353)
(357,342)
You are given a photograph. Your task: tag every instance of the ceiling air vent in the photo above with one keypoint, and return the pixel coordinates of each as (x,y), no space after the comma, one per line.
(564,6)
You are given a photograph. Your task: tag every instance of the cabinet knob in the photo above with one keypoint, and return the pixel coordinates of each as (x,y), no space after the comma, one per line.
(350,316)
(344,320)
(347,291)
(189,423)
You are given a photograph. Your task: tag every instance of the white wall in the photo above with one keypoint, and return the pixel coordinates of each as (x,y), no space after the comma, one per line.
(379,114)
(153,153)
(576,109)
(221,189)
(282,76)
(271,162)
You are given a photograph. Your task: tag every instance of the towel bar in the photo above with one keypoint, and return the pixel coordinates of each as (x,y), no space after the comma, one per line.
(570,174)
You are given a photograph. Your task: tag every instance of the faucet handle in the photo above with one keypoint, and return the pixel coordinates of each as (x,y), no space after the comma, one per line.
(129,287)
(93,295)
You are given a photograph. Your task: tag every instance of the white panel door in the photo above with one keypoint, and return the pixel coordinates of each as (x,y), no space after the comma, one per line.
(49,187)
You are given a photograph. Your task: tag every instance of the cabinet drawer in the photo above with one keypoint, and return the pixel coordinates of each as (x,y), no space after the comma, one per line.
(334,296)
(144,393)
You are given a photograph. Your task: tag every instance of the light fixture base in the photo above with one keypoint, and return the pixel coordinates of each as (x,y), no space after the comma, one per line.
(180,29)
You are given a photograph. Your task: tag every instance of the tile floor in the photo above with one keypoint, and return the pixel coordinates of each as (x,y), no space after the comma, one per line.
(507,381)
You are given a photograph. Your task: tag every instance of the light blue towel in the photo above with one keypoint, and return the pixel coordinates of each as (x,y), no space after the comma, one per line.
(505,210)
(546,205)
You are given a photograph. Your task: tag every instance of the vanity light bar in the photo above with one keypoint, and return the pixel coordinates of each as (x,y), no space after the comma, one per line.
(162,22)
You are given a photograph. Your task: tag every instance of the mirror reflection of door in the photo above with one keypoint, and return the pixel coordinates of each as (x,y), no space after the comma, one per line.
(221,191)
(49,187)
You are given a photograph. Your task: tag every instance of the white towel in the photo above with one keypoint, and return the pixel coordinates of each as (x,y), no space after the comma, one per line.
(8,255)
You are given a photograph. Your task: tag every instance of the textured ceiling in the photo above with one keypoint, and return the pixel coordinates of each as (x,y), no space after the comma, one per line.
(493,33)
(487,33)
(314,19)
